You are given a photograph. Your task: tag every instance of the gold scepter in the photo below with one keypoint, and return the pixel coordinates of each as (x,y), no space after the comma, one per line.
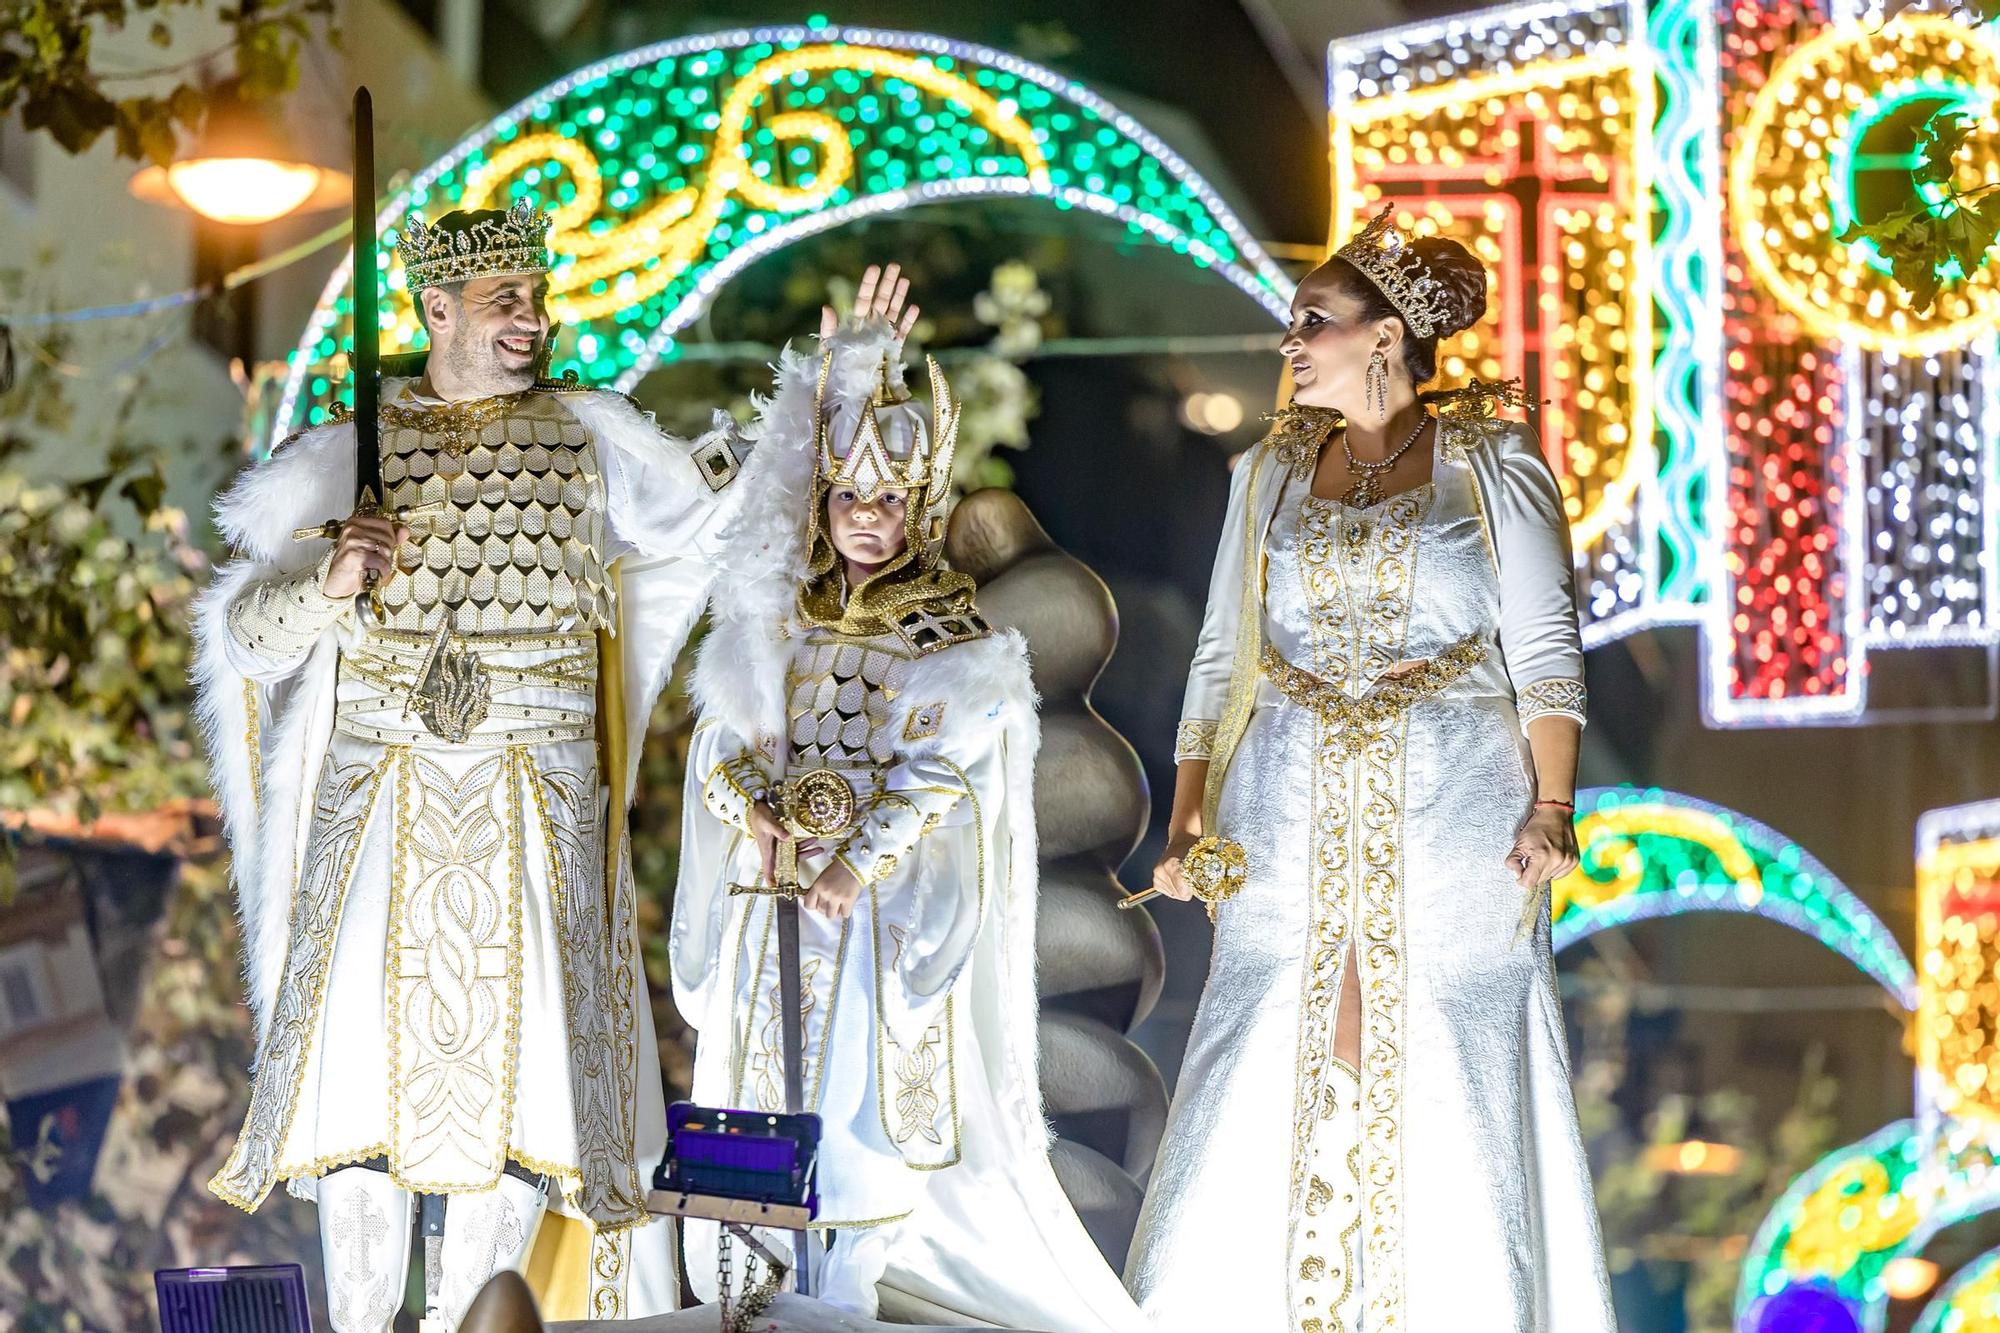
(1215,870)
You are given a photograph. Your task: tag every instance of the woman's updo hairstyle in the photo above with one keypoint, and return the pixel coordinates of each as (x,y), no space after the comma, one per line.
(1464,281)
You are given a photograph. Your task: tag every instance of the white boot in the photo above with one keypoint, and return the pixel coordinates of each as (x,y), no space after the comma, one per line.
(484,1233)
(364,1233)
(854,1263)
(1326,1248)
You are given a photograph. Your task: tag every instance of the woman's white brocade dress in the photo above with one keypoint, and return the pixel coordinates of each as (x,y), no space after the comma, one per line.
(1446,1189)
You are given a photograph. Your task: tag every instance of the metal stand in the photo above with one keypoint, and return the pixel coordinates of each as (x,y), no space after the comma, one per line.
(430,1225)
(793,1038)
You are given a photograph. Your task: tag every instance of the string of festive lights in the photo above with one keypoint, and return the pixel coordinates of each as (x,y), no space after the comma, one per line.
(1649,853)
(1958,943)
(1526,134)
(673,166)
(1918,451)
(1968,1303)
(1790,197)
(1828,1247)
(1778,647)
(1688,395)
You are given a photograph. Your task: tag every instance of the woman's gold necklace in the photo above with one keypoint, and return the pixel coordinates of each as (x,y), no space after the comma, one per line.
(1366,492)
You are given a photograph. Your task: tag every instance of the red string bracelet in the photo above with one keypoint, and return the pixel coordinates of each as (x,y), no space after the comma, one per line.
(1559,805)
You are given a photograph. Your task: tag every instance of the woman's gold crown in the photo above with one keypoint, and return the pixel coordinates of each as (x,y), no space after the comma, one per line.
(461,246)
(1384,255)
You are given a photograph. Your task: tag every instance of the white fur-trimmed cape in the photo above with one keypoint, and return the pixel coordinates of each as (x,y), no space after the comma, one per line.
(267,728)
(1000,1214)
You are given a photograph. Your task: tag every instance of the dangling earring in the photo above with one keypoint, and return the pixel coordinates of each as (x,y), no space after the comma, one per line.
(1377,385)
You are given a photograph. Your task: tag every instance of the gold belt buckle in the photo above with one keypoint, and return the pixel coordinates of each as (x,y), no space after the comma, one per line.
(453,693)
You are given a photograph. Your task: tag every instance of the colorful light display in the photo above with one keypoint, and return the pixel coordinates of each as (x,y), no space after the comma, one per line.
(1528,133)
(674,167)
(1832,1237)
(1958,944)
(1969,1303)
(1753,435)
(1652,853)
(1753,432)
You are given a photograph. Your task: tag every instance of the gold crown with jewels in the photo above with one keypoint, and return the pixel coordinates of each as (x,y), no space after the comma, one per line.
(486,244)
(1383,254)
(903,457)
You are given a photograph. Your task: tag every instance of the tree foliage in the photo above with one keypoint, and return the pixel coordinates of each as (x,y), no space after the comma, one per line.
(48,69)
(95,580)
(1924,241)
(1685,1232)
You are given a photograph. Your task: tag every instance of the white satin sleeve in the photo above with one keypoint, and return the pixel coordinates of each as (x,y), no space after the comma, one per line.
(715,850)
(1539,637)
(1215,651)
(666,498)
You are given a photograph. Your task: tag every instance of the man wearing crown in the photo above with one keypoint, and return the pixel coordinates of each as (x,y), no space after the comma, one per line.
(852,702)
(424,730)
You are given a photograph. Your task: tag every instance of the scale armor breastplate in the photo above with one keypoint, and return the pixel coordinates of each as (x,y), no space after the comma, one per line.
(839,691)
(520,543)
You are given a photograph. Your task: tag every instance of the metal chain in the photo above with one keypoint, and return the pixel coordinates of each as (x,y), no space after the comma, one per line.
(728,1322)
(758,1290)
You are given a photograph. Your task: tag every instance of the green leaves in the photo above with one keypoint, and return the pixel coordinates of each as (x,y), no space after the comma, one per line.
(1938,142)
(46,69)
(1922,242)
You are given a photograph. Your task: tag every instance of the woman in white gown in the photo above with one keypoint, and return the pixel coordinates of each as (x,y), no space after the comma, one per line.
(1373,1127)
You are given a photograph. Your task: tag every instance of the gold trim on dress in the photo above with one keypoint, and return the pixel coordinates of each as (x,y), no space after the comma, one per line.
(1358,719)
(345,800)
(1565,698)
(1195,739)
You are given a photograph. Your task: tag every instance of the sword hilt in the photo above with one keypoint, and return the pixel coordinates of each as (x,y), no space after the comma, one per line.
(784,877)
(407,516)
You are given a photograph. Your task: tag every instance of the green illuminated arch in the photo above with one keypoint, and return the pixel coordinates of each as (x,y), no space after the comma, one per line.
(1827,1243)
(672,168)
(1650,853)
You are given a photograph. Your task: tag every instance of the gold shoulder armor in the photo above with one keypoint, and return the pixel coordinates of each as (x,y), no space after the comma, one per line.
(570,382)
(926,629)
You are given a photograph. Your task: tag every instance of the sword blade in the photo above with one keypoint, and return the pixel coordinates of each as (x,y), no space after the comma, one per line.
(367,357)
(793,1040)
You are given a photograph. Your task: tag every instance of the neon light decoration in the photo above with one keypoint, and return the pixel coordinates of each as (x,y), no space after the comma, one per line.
(1826,1243)
(1752,431)
(672,168)
(1958,939)
(1969,1303)
(1652,853)
(1528,134)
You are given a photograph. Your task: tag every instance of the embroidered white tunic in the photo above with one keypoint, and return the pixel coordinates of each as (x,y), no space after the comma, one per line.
(879,1057)
(445,976)
(920,1023)
(1458,1196)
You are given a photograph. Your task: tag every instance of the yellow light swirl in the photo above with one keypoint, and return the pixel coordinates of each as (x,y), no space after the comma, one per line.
(1853,1213)
(1609,838)
(1781,184)
(642,255)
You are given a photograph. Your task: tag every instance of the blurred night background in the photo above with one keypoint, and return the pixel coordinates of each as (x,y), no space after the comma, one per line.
(1718,1055)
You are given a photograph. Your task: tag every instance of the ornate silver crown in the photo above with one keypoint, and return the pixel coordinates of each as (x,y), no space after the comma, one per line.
(455,250)
(1382,252)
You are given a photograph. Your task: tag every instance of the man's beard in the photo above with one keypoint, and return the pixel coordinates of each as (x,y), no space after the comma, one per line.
(476,362)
